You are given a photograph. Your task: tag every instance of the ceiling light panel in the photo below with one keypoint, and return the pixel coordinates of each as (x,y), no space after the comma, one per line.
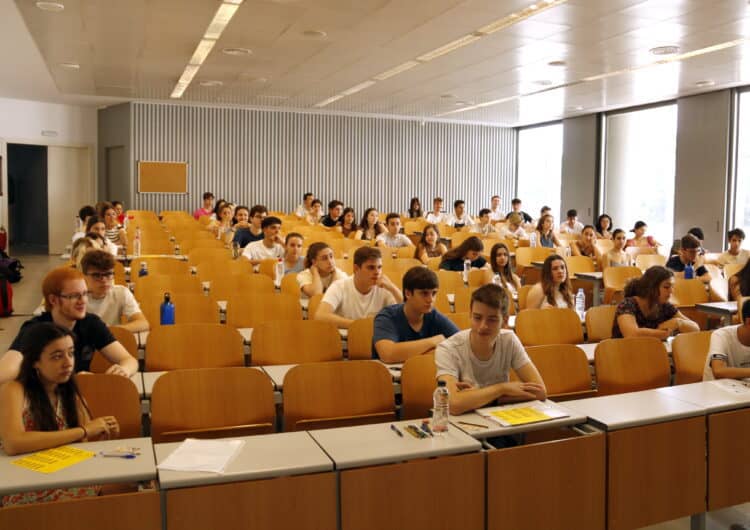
(201,52)
(221,19)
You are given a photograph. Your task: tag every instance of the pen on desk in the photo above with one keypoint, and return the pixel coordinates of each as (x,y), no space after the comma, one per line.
(397,431)
(417,431)
(116,454)
(473,424)
(426,427)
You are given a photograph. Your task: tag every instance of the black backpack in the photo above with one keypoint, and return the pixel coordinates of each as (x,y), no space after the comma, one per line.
(10,268)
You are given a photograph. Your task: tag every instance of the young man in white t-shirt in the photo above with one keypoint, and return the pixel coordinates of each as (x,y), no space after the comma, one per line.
(270,247)
(436,216)
(495,213)
(459,218)
(108,301)
(571,225)
(475,363)
(364,294)
(729,351)
(392,238)
(734,254)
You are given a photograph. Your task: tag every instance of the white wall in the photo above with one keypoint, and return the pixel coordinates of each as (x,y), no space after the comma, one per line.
(22,121)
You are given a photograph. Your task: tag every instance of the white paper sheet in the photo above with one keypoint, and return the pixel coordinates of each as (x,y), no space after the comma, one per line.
(212,456)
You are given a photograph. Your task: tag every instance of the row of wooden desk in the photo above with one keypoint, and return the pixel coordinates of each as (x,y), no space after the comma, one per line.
(616,462)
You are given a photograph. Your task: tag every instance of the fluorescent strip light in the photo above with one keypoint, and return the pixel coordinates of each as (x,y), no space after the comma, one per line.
(357,88)
(396,70)
(329,100)
(222,17)
(447,48)
(185,80)
(201,52)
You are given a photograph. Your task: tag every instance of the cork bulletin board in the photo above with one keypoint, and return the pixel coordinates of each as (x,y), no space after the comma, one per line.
(162,177)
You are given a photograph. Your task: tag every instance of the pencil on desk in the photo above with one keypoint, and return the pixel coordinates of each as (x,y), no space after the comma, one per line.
(473,424)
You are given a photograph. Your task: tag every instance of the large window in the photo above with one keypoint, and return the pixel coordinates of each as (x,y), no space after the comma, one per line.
(742,191)
(539,168)
(639,169)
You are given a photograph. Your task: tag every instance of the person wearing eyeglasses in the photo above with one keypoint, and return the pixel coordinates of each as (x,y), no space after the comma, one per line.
(108,301)
(65,300)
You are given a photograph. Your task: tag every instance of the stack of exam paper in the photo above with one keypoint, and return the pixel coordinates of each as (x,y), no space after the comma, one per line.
(212,456)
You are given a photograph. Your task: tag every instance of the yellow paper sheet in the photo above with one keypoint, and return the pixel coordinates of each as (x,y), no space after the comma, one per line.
(520,416)
(53,460)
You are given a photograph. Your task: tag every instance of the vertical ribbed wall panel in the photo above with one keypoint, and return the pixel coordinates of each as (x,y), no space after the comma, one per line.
(272,158)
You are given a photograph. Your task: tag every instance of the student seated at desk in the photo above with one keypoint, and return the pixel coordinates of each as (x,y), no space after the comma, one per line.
(392,237)
(43,409)
(470,249)
(689,254)
(729,352)
(475,363)
(106,300)
(646,311)
(320,270)
(364,294)
(65,300)
(734,254)
(555,289)
(270,247)
(502,267)
(248,229)
(429,245)
(414,327)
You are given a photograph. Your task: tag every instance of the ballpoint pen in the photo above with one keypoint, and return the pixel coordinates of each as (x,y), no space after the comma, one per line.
(397,431)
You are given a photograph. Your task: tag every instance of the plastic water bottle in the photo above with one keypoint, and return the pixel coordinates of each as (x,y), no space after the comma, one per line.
(137,243)
(532,240)
(580,303)
(278,272)
(497,280)
(166,311)
(235,250)
(689,271)
(440,410)
(143,270)
(467,268)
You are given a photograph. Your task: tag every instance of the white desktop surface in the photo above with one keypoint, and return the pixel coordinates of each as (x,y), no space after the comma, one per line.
(96,470)
(369,445)
(277,372)
(713,396)
(262,456)
(634,409)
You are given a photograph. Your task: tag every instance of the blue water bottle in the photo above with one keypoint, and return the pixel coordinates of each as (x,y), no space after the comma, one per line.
(144,270)
(166,311)
(689,271)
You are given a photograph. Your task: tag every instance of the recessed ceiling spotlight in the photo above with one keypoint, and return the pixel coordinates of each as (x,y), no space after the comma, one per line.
(70,66)
(556,63)
(236,52)
(54,7)
(314,34)
(543,82)
(211,83)
(451,96)
(705,83)
(665,50)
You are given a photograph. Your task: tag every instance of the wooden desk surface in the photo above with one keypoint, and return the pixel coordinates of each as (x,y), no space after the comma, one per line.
(369,445)
(96,470)
(634,409)
(262,456)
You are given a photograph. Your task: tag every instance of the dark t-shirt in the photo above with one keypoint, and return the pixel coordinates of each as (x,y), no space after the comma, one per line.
(329,221)
(243,236)
(90,334)
(457,264)
(675,263)
(391,324)
(630,306)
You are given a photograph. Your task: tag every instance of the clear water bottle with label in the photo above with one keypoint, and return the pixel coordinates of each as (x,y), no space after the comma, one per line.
(532,240)
(689,271)
(279,272)
(137,243)
(440,409)
(467,268)
(235,250)
(166,311)
(497,280)
(143,271)
(581,303)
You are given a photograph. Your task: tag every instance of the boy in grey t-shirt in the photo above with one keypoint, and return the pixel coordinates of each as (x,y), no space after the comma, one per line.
(475,363)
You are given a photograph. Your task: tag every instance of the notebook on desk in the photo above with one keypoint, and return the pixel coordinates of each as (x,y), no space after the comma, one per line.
(522,413)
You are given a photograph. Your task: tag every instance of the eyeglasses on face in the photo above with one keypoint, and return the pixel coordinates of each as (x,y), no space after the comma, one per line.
(74,296)
(101,275)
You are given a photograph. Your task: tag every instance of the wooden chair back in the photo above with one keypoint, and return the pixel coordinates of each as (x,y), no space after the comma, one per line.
(359,339)
(290,286)
(100,364)
(554,325)
(248,310)
(479,277)
(629,365)
(462,300)
(564,369)
(434,263)
(644,261)
(224,286)
(187,246)
(450,281)
(730,269)
(188,309)
(461,320)
(615,278)
(337,394)
(163,283)
(267,267)
(120,273)
(459,237)
(196,255)
(687,293)
(637,251)
(293,342)
(604,245)
(313,304)
(689,352)
(599,322)
(211,403)
(113,395)
(185,346)
(580,264)
(526,255)
(418,382)
(523,295)
(211,268)
(156,266)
